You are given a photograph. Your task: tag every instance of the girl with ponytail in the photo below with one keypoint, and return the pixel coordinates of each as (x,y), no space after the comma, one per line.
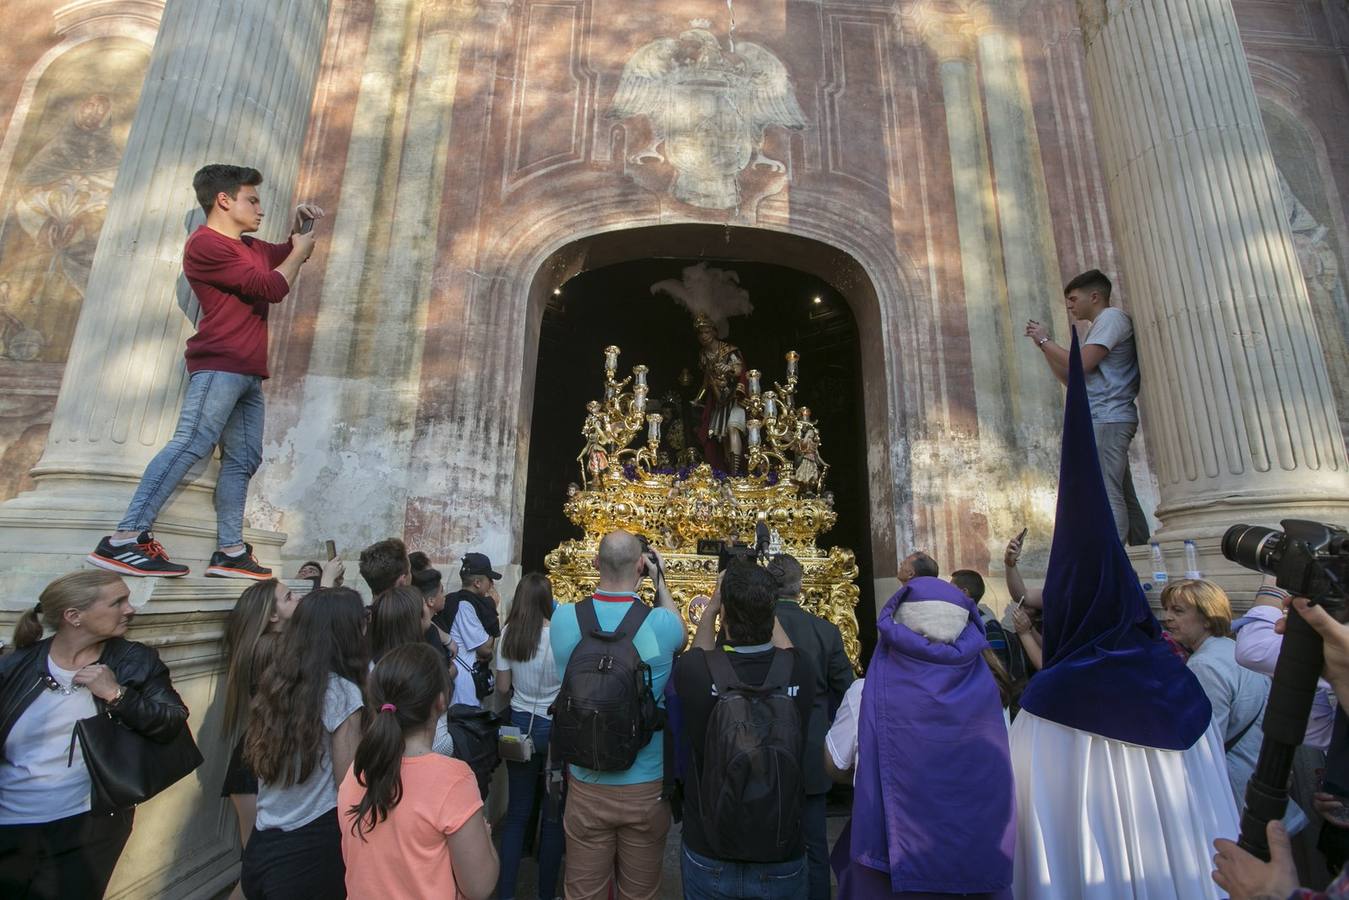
(412,818)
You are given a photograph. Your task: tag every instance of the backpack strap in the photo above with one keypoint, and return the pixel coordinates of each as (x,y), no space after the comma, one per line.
(723,673)
(586,620)
(632,620)
(780,670)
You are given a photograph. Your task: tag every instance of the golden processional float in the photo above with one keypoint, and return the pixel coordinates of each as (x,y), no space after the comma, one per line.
(661,491)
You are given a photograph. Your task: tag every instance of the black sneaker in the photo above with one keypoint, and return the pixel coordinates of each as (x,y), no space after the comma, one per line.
(242,566)
(145,557)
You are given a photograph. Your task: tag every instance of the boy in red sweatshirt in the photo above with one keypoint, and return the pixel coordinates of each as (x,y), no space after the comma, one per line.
(236,280)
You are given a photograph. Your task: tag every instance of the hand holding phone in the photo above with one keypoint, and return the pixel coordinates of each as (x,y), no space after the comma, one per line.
(1012,554)
(331,548)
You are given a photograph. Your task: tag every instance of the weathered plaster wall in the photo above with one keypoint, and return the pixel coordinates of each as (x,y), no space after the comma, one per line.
(474,141)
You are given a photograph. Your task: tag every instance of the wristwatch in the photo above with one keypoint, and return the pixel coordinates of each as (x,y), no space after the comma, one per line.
(1041,341)
(117,698)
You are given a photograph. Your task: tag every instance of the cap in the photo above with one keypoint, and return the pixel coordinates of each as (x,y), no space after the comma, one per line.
(477,564)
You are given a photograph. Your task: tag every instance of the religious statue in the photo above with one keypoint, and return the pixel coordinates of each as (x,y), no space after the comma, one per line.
(593,457)
(810,468)
(721,429)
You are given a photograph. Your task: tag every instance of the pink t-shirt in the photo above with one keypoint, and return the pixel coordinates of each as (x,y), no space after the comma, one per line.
(406,855)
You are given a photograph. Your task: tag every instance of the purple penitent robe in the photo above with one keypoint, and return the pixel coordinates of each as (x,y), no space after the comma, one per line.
(933,806)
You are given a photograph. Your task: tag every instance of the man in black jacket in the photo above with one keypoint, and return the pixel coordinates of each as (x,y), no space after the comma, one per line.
(822,643)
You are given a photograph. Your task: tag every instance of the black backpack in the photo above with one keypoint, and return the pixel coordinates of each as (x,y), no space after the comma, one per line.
(606,711)
(751,787)
(474,732)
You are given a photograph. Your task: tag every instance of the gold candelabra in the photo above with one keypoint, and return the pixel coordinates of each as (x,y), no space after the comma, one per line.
(624,487)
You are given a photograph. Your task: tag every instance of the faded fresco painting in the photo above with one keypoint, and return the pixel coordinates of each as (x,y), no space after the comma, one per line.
(56,193)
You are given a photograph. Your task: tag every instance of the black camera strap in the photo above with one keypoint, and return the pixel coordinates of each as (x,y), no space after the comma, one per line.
(1236,739)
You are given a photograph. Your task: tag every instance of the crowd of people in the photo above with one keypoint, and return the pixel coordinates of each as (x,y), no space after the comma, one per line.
(347,780)
(1068,748)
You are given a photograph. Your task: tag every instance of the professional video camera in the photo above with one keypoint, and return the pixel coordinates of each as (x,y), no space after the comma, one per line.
(1307,559)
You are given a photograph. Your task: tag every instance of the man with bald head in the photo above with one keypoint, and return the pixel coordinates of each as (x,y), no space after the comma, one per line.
(616,822)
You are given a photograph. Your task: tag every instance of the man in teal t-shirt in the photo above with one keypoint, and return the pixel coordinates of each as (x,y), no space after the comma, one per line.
(616,822)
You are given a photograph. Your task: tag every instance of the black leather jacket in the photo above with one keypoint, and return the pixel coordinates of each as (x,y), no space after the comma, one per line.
(149,704)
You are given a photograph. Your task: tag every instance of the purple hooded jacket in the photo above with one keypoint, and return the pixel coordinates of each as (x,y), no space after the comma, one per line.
(933,803)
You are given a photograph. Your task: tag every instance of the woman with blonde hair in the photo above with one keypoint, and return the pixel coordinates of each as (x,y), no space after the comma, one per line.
(1198,615)
(52,843)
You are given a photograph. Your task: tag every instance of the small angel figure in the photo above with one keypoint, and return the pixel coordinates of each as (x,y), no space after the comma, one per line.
(594,458)
(810,468)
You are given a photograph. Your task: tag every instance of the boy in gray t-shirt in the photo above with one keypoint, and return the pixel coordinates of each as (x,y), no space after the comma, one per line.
(1110,362)
(1112,387)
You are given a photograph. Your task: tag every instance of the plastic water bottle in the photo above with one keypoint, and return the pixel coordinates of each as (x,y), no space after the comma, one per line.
(1191,561)
(1158,566)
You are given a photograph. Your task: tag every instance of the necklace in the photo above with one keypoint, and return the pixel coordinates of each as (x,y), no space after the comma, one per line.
(62,689)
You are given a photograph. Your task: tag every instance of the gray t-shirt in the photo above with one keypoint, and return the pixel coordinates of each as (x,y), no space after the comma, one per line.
(289,808)
(1114,385)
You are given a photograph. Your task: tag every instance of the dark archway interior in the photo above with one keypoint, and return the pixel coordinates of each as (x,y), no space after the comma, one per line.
(613,304)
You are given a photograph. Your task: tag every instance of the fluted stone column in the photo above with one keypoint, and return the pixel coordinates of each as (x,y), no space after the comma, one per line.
(229,81)
(1235,398)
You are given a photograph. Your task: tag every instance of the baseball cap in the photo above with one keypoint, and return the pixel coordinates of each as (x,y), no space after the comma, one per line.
(478,564)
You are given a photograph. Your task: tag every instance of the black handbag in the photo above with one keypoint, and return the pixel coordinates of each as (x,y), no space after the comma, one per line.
(127,768)
(474,731)
(484,682)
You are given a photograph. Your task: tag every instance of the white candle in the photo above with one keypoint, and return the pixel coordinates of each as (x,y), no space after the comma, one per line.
(753,427)
(753,377)
(653,428)
(611,359)
(770,405)
(639,375)
(792,359)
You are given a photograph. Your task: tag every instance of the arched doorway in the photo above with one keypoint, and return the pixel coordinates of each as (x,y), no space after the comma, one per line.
(596,292)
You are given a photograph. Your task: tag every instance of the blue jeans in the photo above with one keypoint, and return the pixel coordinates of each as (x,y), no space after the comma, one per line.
(220,408)
(716,879)
(524,786)
(815,827)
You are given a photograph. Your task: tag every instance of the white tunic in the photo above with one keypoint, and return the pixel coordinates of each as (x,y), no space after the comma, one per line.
(1099,819)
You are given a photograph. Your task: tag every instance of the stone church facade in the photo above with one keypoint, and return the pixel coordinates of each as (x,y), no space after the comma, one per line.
(945,164)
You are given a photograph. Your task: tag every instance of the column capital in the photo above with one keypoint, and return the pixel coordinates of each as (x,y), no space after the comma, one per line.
(946,33)
(992,15)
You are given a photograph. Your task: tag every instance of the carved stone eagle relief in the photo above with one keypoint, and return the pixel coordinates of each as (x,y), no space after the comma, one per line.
(707,108)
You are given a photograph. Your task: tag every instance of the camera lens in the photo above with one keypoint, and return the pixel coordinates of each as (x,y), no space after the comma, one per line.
(1253,547)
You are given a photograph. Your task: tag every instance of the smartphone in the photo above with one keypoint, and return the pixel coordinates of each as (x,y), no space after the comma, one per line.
(331,548)
(306,226)
(1022,536)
